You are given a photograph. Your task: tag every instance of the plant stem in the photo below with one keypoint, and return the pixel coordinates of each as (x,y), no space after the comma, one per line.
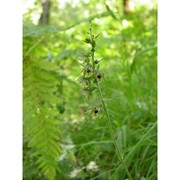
(111,132)
(106,112)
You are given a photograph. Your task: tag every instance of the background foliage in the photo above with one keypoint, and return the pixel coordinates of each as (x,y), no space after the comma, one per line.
(60,140)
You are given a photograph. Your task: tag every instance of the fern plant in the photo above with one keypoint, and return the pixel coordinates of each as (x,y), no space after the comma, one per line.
(40,125)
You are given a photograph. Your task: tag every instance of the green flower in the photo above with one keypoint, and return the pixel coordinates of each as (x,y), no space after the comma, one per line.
(87,69)
(86,91)
(83,57)
(99,76)
(96,110)
(83,80)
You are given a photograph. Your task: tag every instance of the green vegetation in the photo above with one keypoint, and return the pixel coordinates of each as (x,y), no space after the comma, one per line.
(90,104)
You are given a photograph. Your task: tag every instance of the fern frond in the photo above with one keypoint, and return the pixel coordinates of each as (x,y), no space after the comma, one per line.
(40,123)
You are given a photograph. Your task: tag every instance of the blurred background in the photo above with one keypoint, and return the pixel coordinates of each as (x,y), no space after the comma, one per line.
(53,37)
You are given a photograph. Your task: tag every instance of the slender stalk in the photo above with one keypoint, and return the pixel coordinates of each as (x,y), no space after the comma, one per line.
(111,132)
(106,112)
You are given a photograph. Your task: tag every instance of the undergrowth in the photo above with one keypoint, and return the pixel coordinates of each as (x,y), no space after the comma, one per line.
(60,139)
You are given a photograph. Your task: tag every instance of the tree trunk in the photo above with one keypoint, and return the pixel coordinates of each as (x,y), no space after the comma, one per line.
(44,19)
(128,6)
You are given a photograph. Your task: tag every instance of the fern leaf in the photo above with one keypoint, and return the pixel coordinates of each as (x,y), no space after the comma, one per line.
(40,124)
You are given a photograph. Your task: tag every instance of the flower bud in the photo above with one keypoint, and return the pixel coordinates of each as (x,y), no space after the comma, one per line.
(87,40)
(96,62)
